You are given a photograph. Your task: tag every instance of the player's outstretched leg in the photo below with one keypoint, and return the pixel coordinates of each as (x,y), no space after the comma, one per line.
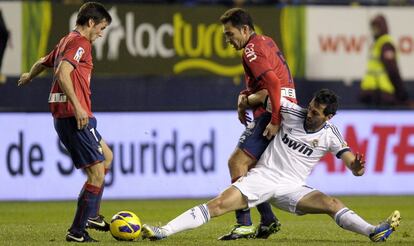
(269,224)
(153,233)
(386,228)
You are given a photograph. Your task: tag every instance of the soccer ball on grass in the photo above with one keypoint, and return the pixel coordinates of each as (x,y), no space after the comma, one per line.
(125,226)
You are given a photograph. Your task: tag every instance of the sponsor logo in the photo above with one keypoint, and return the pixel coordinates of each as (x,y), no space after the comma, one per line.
(249,52)
(301,148)
(192,46)
(78,54)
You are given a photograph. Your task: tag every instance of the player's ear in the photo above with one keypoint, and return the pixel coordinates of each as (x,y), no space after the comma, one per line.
(91,22)
(329,116)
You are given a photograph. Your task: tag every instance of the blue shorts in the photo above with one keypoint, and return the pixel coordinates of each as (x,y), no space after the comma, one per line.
(82,145)
(252,141)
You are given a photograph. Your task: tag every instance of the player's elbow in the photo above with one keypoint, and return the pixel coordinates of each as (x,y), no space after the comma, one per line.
(359,172)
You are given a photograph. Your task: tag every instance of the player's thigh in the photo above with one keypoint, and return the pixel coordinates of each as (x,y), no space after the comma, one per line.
(287,196)
(252,141)
(256,186)
(241,158)
(107,152)
(317,202)
(229,200)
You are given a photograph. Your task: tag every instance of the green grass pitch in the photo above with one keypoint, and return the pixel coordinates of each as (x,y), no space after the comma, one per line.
(45,223)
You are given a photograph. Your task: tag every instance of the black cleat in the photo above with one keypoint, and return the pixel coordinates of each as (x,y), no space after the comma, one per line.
(239,231)
(79,237)
(97,223)
(263,231)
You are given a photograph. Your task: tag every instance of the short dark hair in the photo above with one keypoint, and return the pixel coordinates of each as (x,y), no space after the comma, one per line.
(328,98)
(238,18)
(92,10)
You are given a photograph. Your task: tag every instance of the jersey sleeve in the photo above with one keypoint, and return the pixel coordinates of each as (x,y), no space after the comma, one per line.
(75,50)
(49,60)
(337,144)
(291,111)
(255,59)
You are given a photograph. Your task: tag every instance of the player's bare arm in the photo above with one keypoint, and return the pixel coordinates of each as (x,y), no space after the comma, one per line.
(243,115)
(63,74)
(36,69)
(355,162)
(257,99)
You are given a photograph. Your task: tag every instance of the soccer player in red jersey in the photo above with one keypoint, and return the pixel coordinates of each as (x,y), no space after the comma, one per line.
(266,72)
(70,104)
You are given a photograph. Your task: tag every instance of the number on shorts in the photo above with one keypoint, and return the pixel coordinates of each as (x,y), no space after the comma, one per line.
(94,134)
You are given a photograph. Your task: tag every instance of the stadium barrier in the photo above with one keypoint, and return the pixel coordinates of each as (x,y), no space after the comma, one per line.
(182,155)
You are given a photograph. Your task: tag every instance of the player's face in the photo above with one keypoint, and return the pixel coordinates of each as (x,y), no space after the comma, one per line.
(315,117)
(235,36)
(97,30)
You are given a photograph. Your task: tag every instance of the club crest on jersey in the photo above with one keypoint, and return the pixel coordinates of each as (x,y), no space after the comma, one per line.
(100,150)
(78,54)
(251,125)
(315,143)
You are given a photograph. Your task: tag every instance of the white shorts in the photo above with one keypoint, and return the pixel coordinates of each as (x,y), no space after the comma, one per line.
(258,187)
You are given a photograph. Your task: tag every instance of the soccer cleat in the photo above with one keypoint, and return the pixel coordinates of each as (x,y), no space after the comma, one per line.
(152,233)
(264,231)
(385,228)
(97,223)
(79,237)
(239,231)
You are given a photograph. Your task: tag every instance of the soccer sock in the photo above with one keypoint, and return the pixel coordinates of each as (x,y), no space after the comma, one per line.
(100,197)
(350,221)
(243,217)
(190,219)
(266,213)
(87,205)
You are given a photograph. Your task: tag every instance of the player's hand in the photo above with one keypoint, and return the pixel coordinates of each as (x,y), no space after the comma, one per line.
(82,118)
(270,130)
(244,117)
(358,165)
(24,79)
(243,102)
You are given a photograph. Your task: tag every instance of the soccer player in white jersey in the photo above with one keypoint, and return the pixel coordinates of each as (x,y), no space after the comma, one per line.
(305,136)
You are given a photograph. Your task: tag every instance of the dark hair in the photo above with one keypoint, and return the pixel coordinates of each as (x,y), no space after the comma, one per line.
(238,18)
(94,11)
(328,98)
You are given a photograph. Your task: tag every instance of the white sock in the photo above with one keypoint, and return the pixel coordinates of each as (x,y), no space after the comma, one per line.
(190,219)
(350,221)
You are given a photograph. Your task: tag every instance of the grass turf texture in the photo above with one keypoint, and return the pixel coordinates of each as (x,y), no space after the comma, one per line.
(45,223)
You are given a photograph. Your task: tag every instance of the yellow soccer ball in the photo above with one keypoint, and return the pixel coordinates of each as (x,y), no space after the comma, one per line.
(125,226)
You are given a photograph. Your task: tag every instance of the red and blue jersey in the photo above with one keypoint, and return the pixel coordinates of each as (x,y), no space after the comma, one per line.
(262,55)
(75,49)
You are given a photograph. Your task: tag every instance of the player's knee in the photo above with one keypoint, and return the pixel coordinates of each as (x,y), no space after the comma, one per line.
(97,178)
(109,157)
(334,205)
(216,207)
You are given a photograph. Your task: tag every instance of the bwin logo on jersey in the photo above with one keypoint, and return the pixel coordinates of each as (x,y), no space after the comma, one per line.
(297,146)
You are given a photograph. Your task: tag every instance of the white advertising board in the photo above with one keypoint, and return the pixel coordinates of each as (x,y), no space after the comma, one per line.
(338,40)
(12,16)
(176,155)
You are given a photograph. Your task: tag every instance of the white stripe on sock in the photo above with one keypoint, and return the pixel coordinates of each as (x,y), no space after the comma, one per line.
(190,219)
(350,221)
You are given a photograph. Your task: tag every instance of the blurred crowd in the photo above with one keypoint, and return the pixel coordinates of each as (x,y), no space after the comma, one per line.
(257,2)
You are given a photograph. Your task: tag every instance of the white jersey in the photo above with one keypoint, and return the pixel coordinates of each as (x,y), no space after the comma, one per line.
(293,153)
